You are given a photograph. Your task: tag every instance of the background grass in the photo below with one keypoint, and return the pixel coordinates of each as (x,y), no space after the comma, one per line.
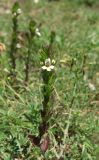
(77,36)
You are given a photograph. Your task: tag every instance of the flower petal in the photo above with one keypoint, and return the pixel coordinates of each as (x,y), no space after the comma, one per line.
(52,67)
(44,67)
(48,69)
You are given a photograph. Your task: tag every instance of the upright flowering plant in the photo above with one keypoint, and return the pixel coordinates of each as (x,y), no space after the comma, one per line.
(33,31)
(48,76)
(16,11)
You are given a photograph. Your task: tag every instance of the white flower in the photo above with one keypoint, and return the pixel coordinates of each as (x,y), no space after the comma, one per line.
(19,11)
(91,86)
(18,46)
(48,66)
(38,32)
(36,1)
